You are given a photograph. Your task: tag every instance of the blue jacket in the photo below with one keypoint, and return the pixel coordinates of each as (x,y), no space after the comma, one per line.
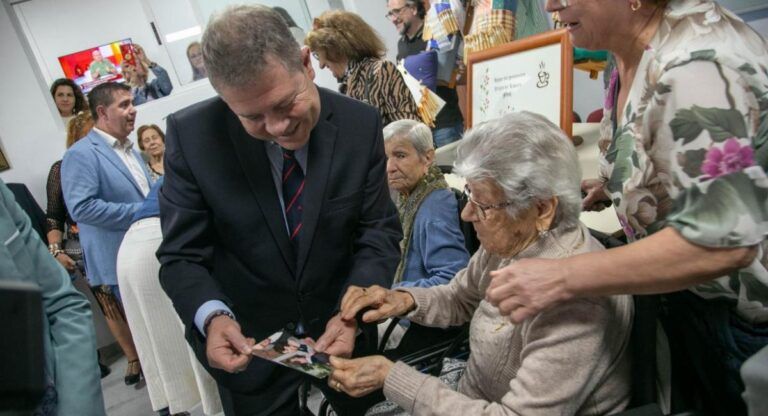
(102,198)
(436,252)
(159,87)
(68,337)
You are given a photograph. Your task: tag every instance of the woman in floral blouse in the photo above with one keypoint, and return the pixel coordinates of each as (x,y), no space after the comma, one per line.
(684,160)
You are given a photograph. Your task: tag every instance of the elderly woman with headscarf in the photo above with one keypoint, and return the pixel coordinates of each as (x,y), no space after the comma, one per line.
(433,245)
(522,178)
(351,49)
(433,249)
(683,158)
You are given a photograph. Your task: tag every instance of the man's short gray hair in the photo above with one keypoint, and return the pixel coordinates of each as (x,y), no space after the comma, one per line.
(416,132)
(530,158)
(240,41)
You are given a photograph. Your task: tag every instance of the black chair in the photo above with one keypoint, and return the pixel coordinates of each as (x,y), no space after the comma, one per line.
(643,401)
(28,203)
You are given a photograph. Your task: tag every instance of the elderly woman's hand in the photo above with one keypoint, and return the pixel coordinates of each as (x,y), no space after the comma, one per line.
(527,287)
(360,376)
(384,303)
(595,198)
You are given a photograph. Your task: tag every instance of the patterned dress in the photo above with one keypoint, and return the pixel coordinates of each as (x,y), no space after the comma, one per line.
(690,149)
(378,82)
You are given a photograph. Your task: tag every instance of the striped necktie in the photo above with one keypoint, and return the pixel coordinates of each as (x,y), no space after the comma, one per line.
(293,189)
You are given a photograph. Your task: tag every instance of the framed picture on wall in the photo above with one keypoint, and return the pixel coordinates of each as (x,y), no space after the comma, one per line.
(531,74)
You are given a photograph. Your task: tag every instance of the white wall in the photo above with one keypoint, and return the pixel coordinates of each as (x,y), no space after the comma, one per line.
(31,133)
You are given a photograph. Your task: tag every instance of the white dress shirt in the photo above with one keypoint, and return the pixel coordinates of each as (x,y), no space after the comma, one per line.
(125,153)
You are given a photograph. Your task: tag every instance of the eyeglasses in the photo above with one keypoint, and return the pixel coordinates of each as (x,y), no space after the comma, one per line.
(483,209)
(395,12)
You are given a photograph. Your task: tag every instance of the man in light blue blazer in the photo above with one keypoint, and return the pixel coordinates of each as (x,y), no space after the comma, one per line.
(105,182)
(71,368)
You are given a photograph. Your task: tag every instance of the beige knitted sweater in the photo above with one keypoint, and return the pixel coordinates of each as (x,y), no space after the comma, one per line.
(570,360)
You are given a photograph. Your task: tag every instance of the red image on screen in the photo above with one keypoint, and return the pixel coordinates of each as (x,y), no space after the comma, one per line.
(97,65)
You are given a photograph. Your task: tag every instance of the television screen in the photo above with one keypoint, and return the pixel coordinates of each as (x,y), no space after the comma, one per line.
(97,65)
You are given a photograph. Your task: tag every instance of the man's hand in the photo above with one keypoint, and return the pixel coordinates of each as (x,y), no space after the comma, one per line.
(360,376)
(339,337)
(384,303)
(226,347)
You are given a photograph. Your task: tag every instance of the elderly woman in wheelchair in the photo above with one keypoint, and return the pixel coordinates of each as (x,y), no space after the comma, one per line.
(522,179)
(433,249)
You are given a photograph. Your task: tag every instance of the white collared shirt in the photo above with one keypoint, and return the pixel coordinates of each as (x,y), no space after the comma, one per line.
(124,152)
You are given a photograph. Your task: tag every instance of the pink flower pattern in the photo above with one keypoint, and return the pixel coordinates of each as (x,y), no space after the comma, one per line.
(733,157)
(610,93)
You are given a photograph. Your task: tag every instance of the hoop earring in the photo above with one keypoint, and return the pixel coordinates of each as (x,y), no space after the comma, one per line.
(635,6)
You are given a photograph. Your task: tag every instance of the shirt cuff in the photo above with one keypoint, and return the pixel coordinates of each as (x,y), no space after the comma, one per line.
(205,310)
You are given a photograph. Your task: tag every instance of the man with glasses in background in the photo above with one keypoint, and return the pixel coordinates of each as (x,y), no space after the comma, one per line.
(408,18)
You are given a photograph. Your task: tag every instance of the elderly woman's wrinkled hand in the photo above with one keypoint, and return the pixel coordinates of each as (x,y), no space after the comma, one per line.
(383,303)
(527,287)
(595,198)
(360,376)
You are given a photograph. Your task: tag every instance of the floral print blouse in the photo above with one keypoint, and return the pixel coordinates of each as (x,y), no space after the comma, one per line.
(690,149)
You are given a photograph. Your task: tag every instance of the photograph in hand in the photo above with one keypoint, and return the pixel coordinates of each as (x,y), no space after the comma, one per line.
(299,354)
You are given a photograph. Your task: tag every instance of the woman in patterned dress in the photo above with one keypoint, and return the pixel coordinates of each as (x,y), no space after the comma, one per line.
(352,51)
(683,159)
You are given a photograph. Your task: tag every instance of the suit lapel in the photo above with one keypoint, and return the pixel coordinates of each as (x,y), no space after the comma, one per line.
(320,157)
(253,159)
(105,150)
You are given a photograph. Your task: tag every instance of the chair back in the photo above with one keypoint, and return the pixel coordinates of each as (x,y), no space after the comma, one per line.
(470,236)
(642,338)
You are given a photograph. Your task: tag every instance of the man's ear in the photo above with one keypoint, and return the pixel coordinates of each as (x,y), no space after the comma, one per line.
(306,62)
(101,111)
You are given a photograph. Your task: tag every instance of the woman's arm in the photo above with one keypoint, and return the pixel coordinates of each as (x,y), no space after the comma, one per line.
(441,306)
(663,262)
(56,215)
(718,183)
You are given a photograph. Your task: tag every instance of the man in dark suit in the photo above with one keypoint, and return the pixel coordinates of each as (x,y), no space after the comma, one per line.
(274,201)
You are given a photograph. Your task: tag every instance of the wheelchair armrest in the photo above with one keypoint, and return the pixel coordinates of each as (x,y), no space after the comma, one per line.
(384,338)
(651,409)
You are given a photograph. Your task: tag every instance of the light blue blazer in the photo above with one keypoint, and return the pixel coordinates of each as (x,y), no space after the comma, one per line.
(68,337)
(101,196)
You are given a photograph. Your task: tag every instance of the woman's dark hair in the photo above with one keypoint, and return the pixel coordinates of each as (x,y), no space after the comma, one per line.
(80,103)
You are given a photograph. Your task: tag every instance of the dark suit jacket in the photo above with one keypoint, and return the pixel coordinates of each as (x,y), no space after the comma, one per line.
(225,236)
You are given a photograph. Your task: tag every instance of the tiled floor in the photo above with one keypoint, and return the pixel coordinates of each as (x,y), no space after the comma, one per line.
(122,400)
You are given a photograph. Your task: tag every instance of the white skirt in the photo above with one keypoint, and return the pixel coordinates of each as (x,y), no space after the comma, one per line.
(174,377)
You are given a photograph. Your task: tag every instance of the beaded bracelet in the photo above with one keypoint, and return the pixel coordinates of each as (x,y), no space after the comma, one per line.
(214,314)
